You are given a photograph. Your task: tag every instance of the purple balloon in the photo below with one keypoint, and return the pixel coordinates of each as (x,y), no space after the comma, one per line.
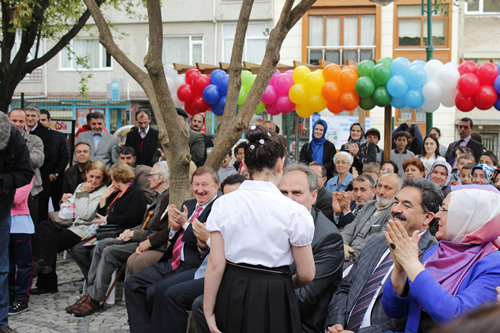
(270,95)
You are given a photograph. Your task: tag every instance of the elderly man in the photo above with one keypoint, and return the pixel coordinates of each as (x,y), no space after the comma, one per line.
(188,247)
(373,218)
(143,139)
(147,241)
(196,141)
(324,200)
(356,305)
(104,147)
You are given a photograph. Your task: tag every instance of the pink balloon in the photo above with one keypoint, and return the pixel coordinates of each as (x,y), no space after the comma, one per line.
(283,83)
(284,104)
(273,78)
(272,109)
(270,95)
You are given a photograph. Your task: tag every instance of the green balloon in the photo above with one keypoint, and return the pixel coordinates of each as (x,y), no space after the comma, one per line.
(381,74)
(386,61)
(367,103)
(364,87)
(381,96)
(365,68)
(260,108)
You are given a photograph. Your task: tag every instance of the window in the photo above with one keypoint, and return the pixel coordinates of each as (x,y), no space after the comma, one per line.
(255,41)
(412,28)
(85,54)
(482,7)
(36,75)
(182,49)
(340,38)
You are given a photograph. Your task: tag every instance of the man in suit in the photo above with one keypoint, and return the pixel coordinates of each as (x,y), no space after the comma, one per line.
(356,306)
(324,200)
(187,249)
(197,123)
(373,218)
(143,139)
(196,141)
(346,210)
(104,147)
(59,161)
(465,128)
(74,175)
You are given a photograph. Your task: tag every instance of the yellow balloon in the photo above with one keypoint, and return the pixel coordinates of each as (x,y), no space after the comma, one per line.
(314,83)
(298,94)
(317,103)
(300,73)
(303,110)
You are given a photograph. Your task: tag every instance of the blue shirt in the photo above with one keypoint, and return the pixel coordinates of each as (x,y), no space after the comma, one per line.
(97,139)
(333,186)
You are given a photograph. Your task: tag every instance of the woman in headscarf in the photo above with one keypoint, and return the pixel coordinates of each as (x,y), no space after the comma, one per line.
(482,174)
(361,150)
(319,150)
(457,275)
(440,174)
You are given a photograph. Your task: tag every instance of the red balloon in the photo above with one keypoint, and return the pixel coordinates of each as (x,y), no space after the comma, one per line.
(192,74)
(189,108)
(199,104)
(463,103)
(467,67)
(487,73)
(185,93)
(485,97)
(468,84)
(199,84)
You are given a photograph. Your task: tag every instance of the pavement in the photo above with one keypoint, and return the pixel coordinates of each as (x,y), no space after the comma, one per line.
(46,312)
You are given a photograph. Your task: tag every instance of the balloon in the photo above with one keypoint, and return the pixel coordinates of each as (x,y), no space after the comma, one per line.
(199,104)
(467,67)
(334,107)
(211,94)
(245,74)
(300,73)
(248,81)
(270,95)
(497,104)
(185,93)
(468,84)
(463,103)
(189,109)
(222,102)
(283,83)
(261,107)
(451,65)
(430,105)
(381,74)
(177,102)
(385,61)
(399,66)
(216,109)
(199,84)
(242,96)
(433,68)
(275,75)
(420,63)
(216,75)
(298,94)
(432,90)
(365,68)
(364,86)
(316,103)
(223,84)
(367,103)
(330,91)
(303,111)
(487,73)
(272,109)
(485,97)
(381,96)
(448,97)
(191,75)
(170,83)
(496,84)
(416,76)
(284,104)
(398,102)
(331,72)
(314,82)
(347,79)
(397,86)
(414,98)
(448,77)
(349,101)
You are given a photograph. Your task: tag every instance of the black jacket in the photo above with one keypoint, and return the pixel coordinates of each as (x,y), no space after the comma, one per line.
(72,178)
(329,152)
(59,152)
(475,147)
(150,154)
(324,202)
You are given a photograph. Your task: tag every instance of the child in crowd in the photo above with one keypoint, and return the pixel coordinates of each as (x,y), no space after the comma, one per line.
(239,153)
(488,158)
(462,160)
(226,170)
(372,169)
(399,154)
(373,135)
(465,177)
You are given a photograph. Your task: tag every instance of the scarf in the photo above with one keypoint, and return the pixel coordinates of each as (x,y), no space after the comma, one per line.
(317,144)
(361,140)
(448,168)
(487,169)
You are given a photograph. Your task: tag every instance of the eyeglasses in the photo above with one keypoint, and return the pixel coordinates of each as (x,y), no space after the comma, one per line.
(443,210)
(153,174)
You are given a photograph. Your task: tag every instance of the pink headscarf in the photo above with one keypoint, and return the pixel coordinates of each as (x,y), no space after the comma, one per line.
(472,232)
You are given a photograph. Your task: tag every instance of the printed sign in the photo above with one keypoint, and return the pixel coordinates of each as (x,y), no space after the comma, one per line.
(338,127)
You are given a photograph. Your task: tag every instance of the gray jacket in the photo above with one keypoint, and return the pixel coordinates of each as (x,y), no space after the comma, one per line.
(107,150)
(35,147)
(86,206)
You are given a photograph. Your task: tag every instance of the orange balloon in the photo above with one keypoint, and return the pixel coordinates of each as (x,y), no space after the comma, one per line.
(330,91)
(349,101)
(303,110)
(347,79)
(351,67)
(331,72)
(334,107)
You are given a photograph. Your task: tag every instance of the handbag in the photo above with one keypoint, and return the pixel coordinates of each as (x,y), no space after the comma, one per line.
(108,231)
(59,222)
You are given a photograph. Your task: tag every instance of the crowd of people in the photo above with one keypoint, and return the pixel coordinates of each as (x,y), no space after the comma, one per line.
(341,241)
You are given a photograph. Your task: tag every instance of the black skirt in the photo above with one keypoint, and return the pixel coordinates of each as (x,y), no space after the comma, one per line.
(257,299)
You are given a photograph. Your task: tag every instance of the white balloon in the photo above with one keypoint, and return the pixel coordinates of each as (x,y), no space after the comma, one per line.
(432,90)
(448,78)
(177,102)
(179,81)
(430,105)
(170,83)
(448,97)
(170,71)
(433,68)
(452,65)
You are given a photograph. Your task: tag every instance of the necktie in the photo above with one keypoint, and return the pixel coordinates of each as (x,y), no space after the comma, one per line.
(367,294)
(176,252)
(356,211)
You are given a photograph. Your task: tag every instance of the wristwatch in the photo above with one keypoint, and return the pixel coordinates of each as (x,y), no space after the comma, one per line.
(57,175)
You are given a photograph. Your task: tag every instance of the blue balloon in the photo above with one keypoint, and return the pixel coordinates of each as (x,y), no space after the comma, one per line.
(222,102)
(223,84)
(399,66)
(498,66)
(497,104)
(216,75)
(418,63)
(414,98)
(496,84)
(397,86)
(416,76)
(211,94)
(216,109)
(398,102)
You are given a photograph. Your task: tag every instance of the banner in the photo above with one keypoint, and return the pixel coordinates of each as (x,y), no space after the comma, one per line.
(338,127)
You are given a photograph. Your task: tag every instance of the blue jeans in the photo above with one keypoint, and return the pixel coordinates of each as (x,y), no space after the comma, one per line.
(4,272)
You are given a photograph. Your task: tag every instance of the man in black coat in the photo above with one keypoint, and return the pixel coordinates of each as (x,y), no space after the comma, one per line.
(143,139)
(59,161)
(15,172)
(465,128)
(324,200)
(74,175)
(197,122)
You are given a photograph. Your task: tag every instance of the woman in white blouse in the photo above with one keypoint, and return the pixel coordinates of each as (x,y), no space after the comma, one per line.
(255,234)
(430,152)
